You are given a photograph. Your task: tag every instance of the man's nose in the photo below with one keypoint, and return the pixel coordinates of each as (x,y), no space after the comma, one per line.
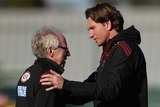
(91,34)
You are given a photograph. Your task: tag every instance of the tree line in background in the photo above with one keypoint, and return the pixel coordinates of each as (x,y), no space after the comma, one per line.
(41,3)
(133,2)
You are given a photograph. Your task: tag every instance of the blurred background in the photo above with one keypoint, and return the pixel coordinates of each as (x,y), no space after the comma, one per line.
(20,19)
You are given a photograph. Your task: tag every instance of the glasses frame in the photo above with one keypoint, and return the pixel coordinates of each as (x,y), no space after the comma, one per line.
(65,49)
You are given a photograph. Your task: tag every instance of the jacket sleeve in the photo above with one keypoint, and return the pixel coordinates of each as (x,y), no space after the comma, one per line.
(115,75)
(78,92)
(69,99)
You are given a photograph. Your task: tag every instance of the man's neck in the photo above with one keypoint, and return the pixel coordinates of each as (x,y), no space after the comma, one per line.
(113,33)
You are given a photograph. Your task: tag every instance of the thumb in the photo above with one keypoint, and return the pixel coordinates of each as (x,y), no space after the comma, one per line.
(50,88)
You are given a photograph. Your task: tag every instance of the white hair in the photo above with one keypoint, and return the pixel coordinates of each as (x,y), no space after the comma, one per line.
(43,39)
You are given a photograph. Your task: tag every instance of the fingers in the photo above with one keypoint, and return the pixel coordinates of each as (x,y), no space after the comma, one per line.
(44,79)
(50,88)
(46,83)
(53,72)
(53,79)
(49,75)
(46,76)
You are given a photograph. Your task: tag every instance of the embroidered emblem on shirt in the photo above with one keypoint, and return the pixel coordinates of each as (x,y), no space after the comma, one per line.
(25,77)
(22,91)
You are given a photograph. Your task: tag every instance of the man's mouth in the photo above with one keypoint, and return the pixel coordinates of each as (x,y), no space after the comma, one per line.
(95,40)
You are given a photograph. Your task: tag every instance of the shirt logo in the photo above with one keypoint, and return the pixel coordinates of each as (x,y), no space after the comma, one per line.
(22,91)
(25,77)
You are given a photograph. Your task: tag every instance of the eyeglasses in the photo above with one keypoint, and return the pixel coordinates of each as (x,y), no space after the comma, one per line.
(65,49)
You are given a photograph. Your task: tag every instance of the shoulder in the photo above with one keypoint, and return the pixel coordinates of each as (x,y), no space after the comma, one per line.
(32,73)
(124,47)
(34,68)
(120,51)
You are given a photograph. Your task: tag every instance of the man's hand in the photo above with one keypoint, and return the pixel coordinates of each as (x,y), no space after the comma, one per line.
(54,79)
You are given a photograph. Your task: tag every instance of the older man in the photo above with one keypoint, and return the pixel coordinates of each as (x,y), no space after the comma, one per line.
(50,47)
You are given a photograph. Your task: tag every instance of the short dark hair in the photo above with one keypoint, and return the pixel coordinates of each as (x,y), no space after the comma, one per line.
(103,13)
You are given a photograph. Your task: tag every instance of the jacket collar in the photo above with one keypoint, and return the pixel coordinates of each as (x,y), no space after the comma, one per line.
(49,65)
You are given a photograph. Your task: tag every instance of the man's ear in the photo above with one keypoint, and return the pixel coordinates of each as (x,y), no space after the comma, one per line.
(108,25)
(50,52)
